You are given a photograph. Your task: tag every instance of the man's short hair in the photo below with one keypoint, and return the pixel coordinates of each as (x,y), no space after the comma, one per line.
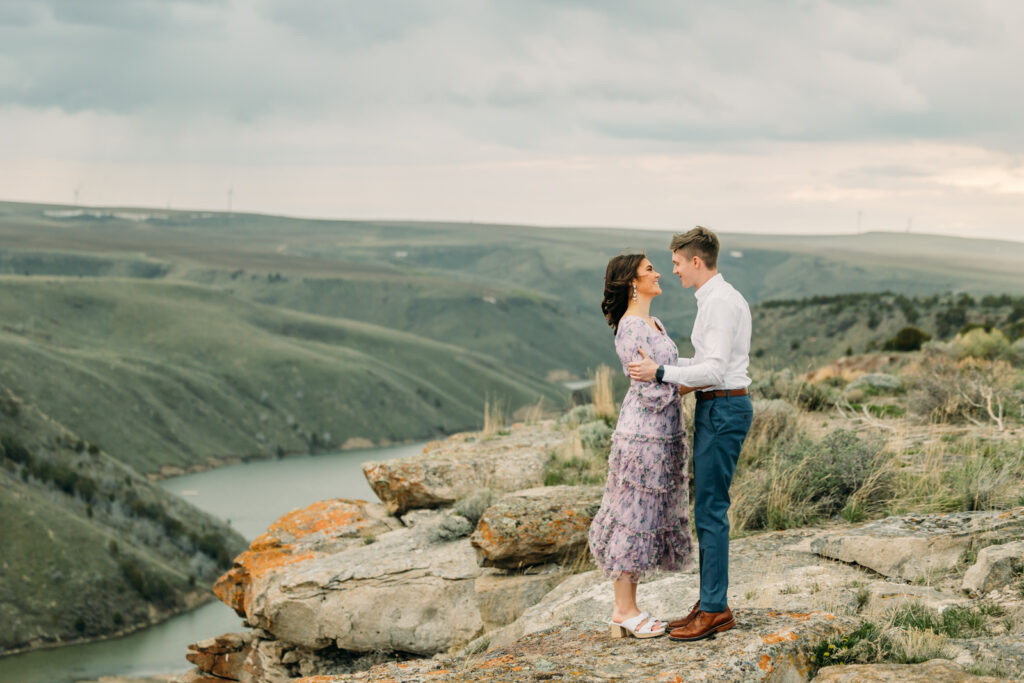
(700,242)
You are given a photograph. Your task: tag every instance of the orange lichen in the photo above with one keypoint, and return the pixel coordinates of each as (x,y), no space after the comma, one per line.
(269,552)
(779,637)
(766,663)
(496,661)
(325,515)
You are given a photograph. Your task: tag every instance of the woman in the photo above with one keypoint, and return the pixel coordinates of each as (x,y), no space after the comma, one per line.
(643,522)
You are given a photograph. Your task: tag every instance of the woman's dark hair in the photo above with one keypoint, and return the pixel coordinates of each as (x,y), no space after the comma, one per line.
(618,278)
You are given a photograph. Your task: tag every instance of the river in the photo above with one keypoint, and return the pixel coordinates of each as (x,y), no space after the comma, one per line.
(250,496)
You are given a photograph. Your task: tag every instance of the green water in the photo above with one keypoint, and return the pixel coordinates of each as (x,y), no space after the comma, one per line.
(250,496)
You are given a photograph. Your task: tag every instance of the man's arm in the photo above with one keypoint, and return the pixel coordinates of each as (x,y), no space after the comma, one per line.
(645,369)
(718,337)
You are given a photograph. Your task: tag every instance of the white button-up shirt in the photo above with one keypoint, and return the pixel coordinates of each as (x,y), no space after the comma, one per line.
(721,340)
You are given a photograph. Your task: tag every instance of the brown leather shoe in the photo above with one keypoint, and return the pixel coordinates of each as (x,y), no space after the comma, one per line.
(685,621)
(705,625)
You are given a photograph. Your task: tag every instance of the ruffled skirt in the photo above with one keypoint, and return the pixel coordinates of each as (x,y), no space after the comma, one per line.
(643,523)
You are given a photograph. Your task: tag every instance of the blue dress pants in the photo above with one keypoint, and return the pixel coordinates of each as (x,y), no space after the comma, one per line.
(720,426)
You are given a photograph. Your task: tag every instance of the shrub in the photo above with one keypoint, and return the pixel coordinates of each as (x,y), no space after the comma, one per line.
(472,506)
(907,339)
(875,382)
(14,450)
(596,437)
(814,396)
(983,344)
(571,464)
(578,415)
(152,587)
(804,481)
(978,391)
(450,528)
(775,422)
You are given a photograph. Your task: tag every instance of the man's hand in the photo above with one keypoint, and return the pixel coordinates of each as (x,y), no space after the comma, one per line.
(684,390)
(643,370)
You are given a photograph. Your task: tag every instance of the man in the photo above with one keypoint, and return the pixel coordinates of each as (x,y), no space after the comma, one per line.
(721,342)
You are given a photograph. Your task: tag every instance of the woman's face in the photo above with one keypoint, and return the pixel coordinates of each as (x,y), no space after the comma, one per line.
(647,280)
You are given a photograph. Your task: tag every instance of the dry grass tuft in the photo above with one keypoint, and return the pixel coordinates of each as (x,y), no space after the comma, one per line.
(494,418)
(604,403)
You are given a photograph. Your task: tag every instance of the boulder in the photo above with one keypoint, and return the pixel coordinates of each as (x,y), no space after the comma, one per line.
(320,529)
(765,645)
(997,566)
(536,525)
(405,592)
(452,469)
(932,671)
(914,546)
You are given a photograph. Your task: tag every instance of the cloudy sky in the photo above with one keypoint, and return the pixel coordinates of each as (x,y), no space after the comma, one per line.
(773,116)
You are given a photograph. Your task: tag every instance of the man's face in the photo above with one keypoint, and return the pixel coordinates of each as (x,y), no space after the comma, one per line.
(685,268)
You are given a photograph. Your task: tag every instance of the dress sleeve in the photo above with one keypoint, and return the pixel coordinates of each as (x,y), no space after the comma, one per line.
(633,335)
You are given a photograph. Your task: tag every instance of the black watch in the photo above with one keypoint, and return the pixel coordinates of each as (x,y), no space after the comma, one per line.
(660,374)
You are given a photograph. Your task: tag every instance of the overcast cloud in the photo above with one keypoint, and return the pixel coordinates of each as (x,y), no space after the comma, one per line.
(752,116)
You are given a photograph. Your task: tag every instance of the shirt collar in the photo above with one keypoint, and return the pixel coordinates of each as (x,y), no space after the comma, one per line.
(709,286)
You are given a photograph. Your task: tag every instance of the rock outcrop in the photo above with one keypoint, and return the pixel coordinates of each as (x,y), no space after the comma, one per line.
(449,470)
(321,529)
(914,546)
(764,646)
(344,591)
(536,525)
(403,592)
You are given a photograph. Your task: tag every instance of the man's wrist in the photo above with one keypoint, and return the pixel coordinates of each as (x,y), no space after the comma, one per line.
(660,374)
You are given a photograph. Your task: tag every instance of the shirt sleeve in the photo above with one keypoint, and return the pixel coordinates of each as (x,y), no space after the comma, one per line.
(719,331)
(633,335)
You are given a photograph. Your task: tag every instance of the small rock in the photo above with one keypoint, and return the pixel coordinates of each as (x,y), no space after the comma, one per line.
(997,566)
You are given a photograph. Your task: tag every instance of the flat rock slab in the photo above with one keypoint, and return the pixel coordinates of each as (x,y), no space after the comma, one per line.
(764,646)
(913,546)
(934,671)
(535,526)
(452,469)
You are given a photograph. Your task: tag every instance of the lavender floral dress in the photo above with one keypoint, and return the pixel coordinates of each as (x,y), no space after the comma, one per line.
(643,522)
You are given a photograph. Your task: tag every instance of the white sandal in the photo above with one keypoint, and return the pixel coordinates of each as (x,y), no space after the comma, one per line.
(631,627)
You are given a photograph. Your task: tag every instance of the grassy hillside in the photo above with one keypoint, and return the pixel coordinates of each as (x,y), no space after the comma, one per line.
(90,547)
(170,373)
(811,330)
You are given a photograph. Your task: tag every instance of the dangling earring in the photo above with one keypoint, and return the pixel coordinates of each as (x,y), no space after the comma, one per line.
(634,293)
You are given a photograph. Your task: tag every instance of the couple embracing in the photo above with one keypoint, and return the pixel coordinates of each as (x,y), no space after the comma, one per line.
(643,522)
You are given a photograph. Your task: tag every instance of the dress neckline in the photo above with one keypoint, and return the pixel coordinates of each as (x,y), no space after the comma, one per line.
(658,326)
